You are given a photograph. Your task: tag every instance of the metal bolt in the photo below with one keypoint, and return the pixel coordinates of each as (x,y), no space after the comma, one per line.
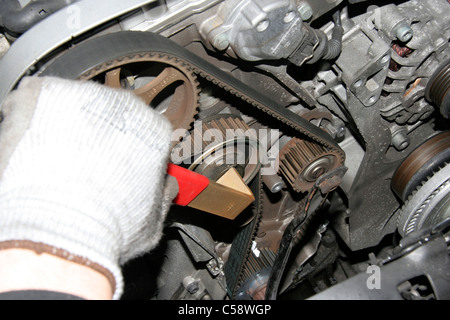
(358,83)
(192,288)
(322,228)
(289,17)
(274,182)
(336,130)
(371,100)
(221,42)
(305,11)
(385,59)
(341,131)
(277,187)
(400,140)
(262,26)
(404,33)
(191,285)
(215,266)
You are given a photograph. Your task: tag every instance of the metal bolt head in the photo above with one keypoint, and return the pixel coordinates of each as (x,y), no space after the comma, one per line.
(221,42)
(193,288)
(262,26)
(400,140)
(305,11)
(322,228)
(341,131)
(191,285)
(404,33)
(277,187)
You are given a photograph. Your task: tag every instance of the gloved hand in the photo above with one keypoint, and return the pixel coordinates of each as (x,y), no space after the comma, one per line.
(82,170)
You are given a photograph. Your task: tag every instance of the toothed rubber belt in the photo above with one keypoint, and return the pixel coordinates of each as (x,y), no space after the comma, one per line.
(71,65)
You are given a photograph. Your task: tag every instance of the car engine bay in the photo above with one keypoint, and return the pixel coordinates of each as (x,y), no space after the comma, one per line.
(340,117)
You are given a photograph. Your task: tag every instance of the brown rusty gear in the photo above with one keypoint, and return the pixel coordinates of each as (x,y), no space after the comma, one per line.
(182,107)
(302,162)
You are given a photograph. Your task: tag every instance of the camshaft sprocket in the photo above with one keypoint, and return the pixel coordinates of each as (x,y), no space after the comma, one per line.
(302,162)
(178,104)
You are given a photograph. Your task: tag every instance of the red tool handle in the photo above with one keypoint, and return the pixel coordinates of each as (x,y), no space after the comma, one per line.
(190,184)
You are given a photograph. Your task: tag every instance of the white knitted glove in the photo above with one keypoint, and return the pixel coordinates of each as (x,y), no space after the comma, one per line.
(82,171)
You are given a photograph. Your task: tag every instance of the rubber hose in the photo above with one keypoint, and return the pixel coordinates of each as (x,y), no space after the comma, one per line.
(17,19)
(334,45)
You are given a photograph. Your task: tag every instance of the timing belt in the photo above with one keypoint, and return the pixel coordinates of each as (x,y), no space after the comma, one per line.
(242,242)
(141,43)
(144,43)
(241,245)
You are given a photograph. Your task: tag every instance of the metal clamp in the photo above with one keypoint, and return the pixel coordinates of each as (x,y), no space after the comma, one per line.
(331,180)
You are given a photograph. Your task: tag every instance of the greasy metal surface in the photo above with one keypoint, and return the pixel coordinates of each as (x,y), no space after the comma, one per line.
(362,225)
(428,258)
(173,13)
